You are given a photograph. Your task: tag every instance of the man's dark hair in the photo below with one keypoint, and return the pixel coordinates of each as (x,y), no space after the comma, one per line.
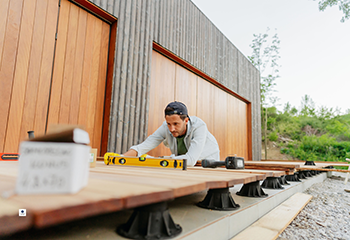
(170,111)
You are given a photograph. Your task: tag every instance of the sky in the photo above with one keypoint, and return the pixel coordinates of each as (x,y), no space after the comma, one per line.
(314,45)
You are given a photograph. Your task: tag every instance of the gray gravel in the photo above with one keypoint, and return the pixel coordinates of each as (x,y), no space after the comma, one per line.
(327,215)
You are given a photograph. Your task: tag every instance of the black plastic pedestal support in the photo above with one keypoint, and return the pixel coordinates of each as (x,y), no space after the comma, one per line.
(301,175)
(310,163)
(282,180)
(307,173)
(252,189)
(150,222)
(272,183)
(293,178)
(218,199)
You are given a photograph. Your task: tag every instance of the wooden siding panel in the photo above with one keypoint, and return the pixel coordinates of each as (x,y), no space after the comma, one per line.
(57,79)
(20,78)
(161,92)
(124,48)
(186,89)
(4,9)
(205,104)
(96,52)
(87,66)
(35,61)
(135,81)
(46,68)
(69,61)
(78,67)
(220,119)
(101,85)
(129,80)
(138,134)
(146,71)
(8,61)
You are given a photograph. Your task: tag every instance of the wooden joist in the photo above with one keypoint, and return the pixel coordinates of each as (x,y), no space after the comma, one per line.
(273,223)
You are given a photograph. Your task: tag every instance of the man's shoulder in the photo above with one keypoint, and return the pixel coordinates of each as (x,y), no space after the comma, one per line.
(196,121)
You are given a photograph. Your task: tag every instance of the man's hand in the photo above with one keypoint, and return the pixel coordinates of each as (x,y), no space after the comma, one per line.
(130,153)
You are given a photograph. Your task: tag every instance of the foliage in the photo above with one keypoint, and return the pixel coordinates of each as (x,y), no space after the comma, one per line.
(265,57)
(343,5)
(310,134)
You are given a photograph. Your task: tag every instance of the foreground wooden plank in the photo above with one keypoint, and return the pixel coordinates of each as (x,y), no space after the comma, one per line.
(273,223)
(10,222)
(100,196)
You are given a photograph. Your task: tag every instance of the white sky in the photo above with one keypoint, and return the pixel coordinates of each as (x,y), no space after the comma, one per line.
(314,48)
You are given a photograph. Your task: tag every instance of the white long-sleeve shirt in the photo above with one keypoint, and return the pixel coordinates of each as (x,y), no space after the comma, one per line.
(200,143)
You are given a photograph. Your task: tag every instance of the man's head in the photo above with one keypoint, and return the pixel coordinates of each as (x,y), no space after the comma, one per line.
(177,118)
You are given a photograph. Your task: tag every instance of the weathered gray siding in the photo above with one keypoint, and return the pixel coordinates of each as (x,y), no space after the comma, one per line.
(179,26)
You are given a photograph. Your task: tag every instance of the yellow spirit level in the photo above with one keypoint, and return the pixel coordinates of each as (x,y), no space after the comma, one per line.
(116,159)
(9,156)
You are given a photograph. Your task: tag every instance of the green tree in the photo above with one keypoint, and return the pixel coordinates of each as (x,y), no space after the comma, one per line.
(343,5)
(307,106)
(265,57)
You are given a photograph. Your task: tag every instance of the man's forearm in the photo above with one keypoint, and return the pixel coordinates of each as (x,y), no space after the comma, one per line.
(131,153)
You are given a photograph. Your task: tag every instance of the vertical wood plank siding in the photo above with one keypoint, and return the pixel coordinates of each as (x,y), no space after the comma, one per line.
(180,27)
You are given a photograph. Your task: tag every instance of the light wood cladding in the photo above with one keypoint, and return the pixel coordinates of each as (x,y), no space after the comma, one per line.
(43,82)
(27,38)
(225,115)
(79,74)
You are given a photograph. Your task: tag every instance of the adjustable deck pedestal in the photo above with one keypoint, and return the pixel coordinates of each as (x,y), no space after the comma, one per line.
(282,180)
(310,163)
(218,199)
(252,189)
(150,222)
(272,183)
(301,175)
(307,173)
(293,178)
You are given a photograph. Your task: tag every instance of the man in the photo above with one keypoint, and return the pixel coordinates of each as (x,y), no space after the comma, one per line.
(187,137)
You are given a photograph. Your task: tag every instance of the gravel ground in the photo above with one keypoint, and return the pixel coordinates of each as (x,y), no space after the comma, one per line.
(327,215)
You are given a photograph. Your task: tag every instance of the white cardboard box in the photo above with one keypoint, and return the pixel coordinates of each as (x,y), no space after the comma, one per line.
(52,167)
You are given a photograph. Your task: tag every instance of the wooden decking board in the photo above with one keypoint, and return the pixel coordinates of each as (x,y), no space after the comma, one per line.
(10,222)
(181,187)
(268,173)
(315,168)
(110,188)
(213,181)
(253,175)
(273,223)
